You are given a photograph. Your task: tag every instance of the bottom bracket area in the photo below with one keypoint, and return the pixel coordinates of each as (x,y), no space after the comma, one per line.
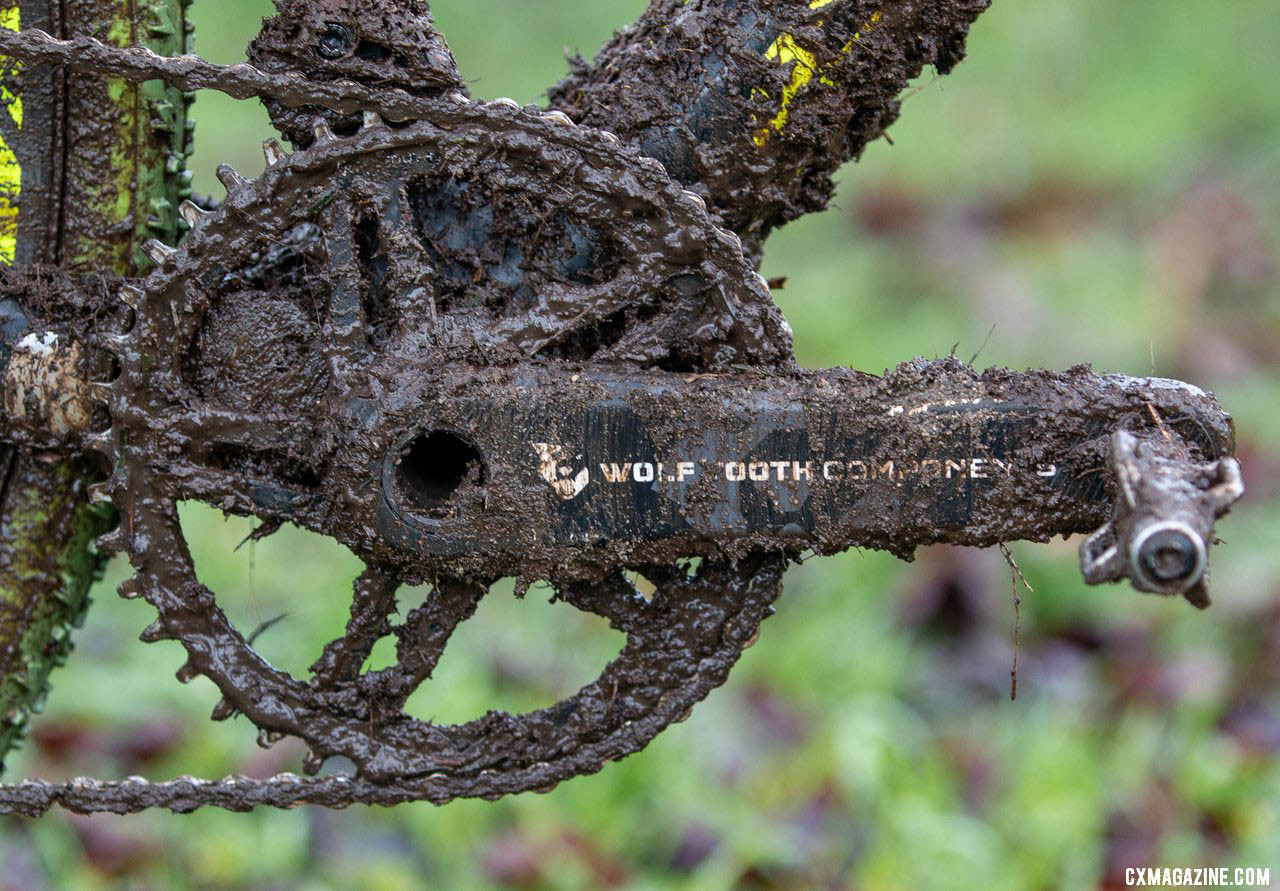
(432,467)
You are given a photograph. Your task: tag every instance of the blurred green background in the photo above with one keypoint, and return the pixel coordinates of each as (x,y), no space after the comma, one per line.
(1100,182)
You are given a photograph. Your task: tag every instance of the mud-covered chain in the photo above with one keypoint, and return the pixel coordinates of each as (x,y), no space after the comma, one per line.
(748,586)
(683,642)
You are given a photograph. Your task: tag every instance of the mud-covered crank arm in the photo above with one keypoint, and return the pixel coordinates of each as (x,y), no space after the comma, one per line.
(543,471)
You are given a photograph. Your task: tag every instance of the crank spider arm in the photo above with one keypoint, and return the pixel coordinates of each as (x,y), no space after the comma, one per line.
(547,472)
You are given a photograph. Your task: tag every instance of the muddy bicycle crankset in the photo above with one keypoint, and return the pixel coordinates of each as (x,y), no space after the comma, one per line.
(485,342)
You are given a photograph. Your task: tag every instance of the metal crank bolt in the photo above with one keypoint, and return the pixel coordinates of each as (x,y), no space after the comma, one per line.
(336,42)
(1166,505)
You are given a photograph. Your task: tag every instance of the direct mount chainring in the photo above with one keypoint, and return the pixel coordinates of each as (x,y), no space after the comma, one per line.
(260,399)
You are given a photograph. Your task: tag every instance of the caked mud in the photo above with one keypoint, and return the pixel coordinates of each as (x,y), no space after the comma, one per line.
(470,340)
(757,104)
(85,167)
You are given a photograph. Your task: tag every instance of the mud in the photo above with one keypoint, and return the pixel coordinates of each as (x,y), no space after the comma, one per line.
(48,298)
(462,522)
(515,471)
(93,177)
(138,64)
(715,313)
(415,339)
(678,651)
(757,104)
(494,235)
(1166,504)
(51,322)
(46,569)
(696,86)
(38,144)
(125,144)
(379,44)
(490,233)
(44,386)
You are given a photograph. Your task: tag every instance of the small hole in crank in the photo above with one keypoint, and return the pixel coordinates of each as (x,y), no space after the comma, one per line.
(372,52)
(436,464)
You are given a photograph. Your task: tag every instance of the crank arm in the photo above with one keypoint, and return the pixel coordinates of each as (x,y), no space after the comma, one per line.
(545,472)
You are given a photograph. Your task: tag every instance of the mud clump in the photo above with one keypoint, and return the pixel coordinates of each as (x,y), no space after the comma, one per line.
(756,105)
(378,43)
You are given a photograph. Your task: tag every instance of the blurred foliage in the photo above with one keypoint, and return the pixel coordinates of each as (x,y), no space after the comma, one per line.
(1099,182)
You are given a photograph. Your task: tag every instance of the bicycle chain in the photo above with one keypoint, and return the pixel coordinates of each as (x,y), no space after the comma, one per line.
(279,360)
(342,270)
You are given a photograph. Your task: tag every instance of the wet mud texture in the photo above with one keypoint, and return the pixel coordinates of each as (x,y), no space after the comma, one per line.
(378,266)
(680,646)
(40,297)
(699,87)
(693,84)
(493,235)
(125,144)
(443,480)
(385,375)
(37,144)
(44,585)
(101,167)
(78,311)
(706,309)
(1162,528)
(377,43)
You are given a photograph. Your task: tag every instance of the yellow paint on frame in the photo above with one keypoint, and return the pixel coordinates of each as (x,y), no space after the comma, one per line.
(785,50)
(10,169)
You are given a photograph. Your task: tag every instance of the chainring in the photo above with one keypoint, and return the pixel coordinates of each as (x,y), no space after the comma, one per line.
(263,357)
(271,367)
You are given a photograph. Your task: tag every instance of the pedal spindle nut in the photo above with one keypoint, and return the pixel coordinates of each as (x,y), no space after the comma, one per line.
(1169,555)
(1166,503)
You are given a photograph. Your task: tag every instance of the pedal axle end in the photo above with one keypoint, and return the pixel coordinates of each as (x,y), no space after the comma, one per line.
(1160,533)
